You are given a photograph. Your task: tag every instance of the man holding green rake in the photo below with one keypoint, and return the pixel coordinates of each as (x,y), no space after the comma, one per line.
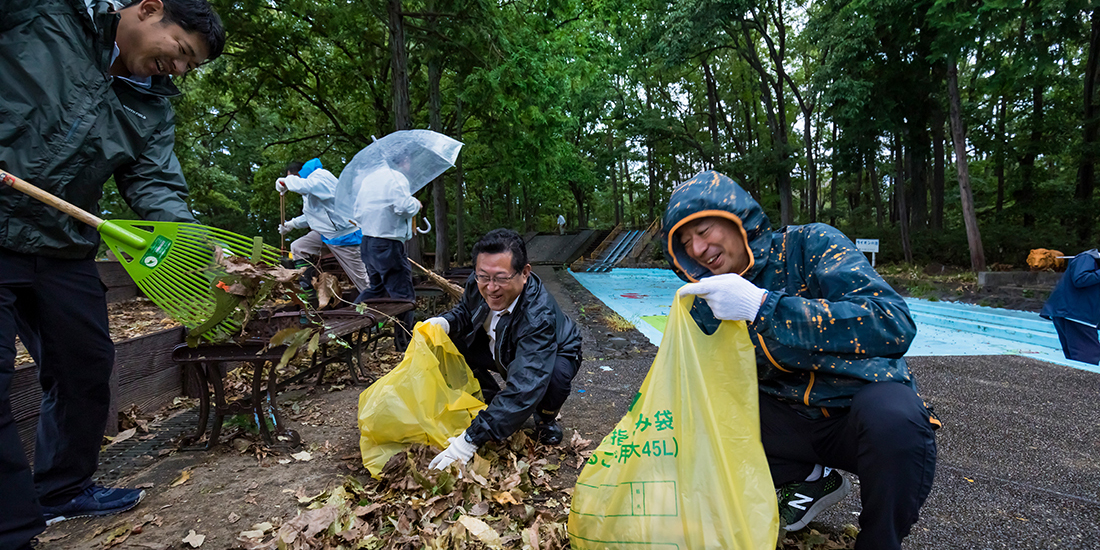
(86,97)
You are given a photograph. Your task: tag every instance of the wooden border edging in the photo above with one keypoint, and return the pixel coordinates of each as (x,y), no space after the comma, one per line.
(144,375)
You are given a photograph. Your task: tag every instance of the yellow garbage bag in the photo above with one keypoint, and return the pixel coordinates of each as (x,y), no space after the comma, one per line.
(427,398)
(685,467)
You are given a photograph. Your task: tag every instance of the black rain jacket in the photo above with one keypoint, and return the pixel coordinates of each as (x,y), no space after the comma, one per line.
(528,342)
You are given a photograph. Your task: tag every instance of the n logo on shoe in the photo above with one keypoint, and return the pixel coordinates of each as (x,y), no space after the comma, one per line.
(802,499)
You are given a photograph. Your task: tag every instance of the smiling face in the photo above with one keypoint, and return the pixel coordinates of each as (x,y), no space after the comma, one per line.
(497,281)
(148,46)
(716,243)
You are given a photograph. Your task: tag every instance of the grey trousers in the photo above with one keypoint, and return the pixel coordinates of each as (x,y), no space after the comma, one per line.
(311,246)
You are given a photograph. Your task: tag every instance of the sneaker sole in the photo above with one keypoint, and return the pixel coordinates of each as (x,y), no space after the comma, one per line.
(823,504)
(59,519)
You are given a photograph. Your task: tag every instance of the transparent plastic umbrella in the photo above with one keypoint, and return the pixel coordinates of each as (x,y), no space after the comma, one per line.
(389,170)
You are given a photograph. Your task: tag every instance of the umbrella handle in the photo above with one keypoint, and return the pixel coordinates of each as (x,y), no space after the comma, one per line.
(424,231)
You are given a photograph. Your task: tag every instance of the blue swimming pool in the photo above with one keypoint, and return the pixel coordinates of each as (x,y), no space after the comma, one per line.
(643,297)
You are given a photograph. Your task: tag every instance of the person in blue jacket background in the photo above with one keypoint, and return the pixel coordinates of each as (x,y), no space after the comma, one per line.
(1074,308)
(829,334)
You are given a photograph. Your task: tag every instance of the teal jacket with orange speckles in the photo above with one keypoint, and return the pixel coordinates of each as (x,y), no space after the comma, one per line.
(829,324)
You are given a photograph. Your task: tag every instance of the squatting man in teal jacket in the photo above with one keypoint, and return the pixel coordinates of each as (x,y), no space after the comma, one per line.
(829,334)
(86,97)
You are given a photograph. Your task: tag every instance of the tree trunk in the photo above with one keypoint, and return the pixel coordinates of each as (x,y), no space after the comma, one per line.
(400,66)
(834,183)
(958,134)
(712,108)
(1027,161)
(402,121)
(616,195)
(1086,181)
(938,168)
(899,200)
(460,193)
(439,191)
(999,151)
(811,163)
(876,188)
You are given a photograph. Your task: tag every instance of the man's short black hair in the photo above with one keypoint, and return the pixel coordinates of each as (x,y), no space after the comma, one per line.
(294,168)
(498,241)
(197,16)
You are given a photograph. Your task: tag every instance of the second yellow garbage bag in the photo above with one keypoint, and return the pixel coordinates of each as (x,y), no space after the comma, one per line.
(427,398)
(685,467)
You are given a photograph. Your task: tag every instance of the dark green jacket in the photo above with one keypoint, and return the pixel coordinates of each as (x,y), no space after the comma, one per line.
(829,324)
(66,126)
(528,342)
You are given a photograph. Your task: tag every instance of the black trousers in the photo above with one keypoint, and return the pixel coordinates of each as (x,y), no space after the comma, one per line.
(481,362)
(885,439)
(1079,342)
(390,275)
(59,310)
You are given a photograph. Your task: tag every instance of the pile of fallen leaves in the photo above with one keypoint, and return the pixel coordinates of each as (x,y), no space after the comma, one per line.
(504,498)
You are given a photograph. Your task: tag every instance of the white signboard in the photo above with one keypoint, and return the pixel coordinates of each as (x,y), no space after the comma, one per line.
(867,245)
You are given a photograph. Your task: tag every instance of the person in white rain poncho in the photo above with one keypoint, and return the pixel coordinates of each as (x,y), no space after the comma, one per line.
(317,187)
(384,210)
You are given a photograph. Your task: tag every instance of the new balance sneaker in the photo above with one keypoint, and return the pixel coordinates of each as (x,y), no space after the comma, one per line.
(801,501)
(94,501)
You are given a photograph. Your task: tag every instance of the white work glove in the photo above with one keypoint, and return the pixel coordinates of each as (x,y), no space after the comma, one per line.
(460,451)
(284,229)
(729,296)
(440,322)
(280,186)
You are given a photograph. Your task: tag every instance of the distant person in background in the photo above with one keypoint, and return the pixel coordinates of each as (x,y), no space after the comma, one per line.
(1074,307)
(561,224)
(317,187)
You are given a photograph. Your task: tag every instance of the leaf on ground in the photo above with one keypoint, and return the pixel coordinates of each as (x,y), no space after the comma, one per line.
(118,536)
(253,534)
(234,517)
(484,533)
(304,456)
(194,539)
(123,436)
(183,478)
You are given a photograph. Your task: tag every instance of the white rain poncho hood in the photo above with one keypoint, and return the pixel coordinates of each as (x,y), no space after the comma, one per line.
(375,189)
(318,191)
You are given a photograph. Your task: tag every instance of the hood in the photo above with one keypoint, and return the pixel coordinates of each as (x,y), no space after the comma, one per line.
(309,167)
(713,194)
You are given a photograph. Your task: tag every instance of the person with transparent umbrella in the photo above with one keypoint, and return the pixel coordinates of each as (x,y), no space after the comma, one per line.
(375,192)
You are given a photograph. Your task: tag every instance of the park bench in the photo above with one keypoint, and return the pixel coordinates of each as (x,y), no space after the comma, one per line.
(345,335)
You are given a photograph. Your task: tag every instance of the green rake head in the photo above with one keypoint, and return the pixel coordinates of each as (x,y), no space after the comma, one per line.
(173,264)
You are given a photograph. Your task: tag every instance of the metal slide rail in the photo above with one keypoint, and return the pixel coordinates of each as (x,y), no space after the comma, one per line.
(622,246)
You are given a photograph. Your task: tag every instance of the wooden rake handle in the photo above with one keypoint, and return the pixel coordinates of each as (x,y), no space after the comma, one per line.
(104,227)
(66,207)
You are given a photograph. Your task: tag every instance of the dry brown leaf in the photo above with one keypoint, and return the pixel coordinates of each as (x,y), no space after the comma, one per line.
(482,531)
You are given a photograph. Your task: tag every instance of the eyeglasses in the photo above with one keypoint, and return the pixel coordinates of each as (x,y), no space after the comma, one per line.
(498,280)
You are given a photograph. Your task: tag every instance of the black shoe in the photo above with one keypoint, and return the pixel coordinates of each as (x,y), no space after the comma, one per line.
(94,501)
(801,501)
(549,433)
